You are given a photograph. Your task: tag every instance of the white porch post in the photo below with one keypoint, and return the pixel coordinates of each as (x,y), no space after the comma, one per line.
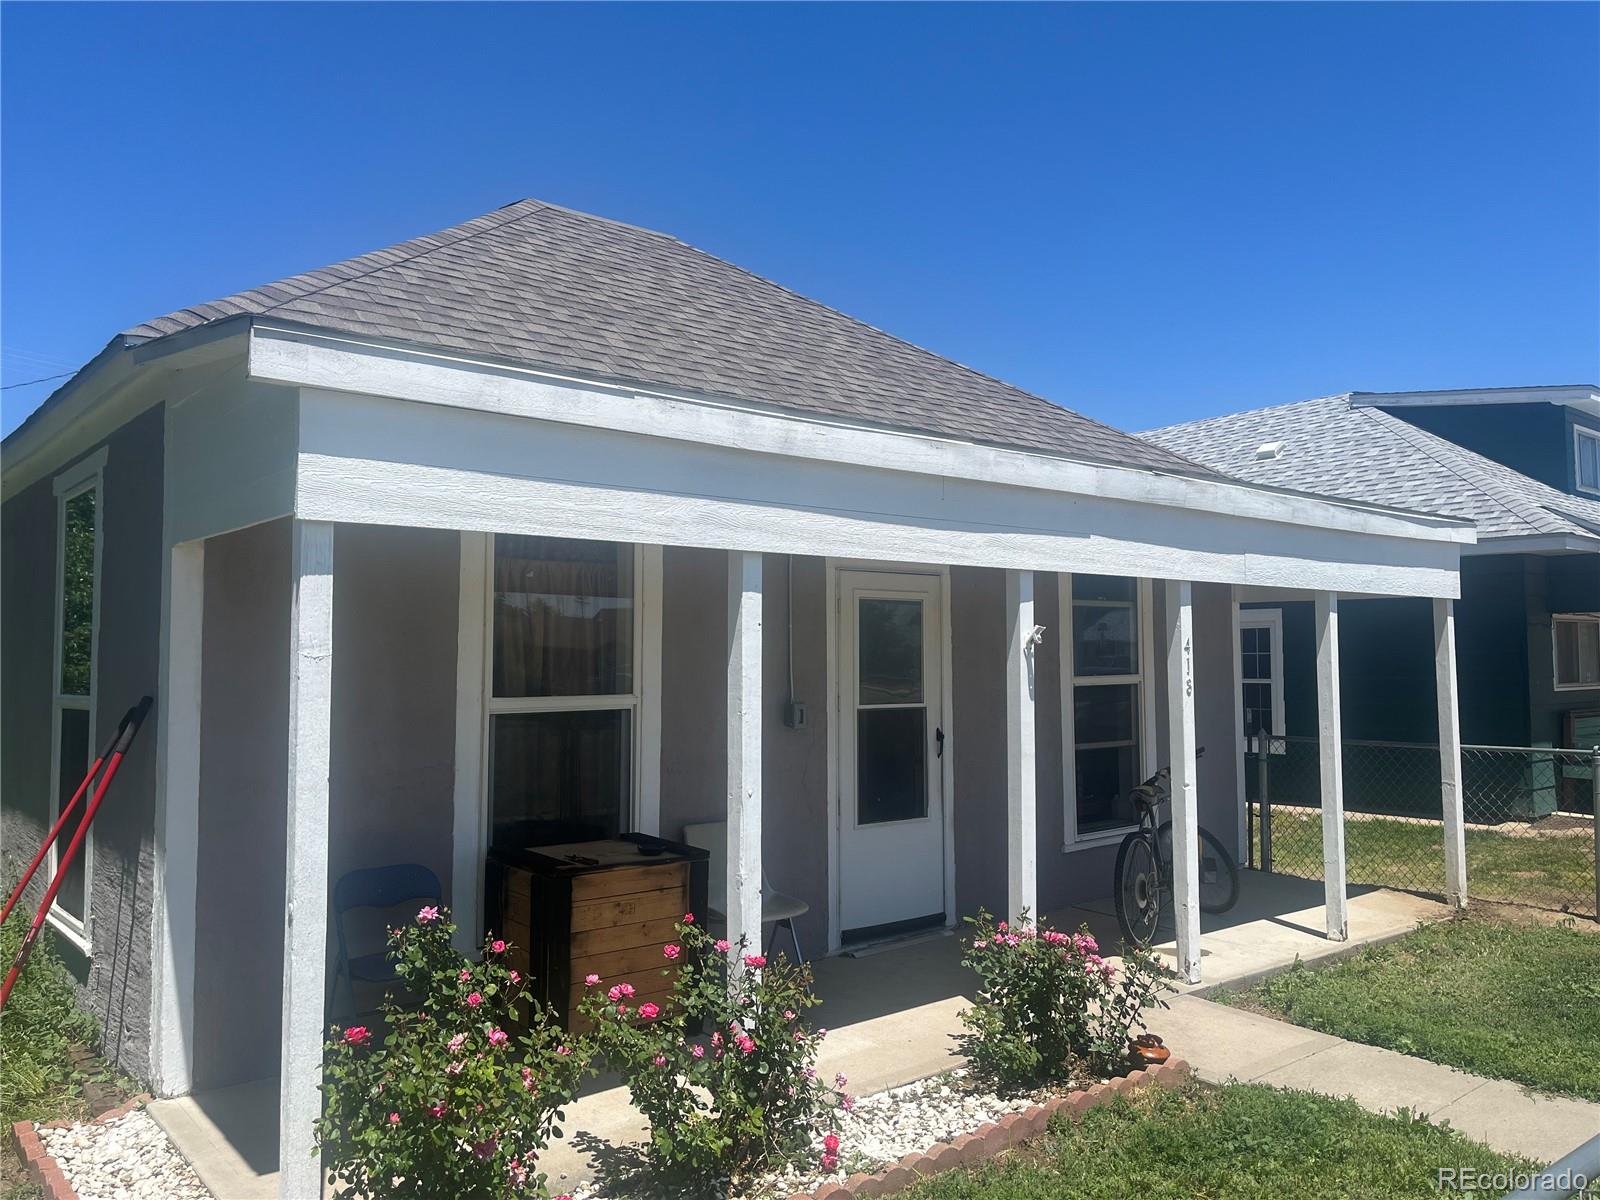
(1022,837)
(469,824)
(1185,818)
(1330,751)
(1455,837)
(306,901)
(177,820)
(744,749)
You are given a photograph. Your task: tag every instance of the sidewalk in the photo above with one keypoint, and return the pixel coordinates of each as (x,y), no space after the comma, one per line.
(1224,1043)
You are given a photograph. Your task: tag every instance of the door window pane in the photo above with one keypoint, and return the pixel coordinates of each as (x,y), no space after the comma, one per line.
(563,617)
(890,634)
(559,776)
(1258,708)
(891,764)
(77,595)
(73,766)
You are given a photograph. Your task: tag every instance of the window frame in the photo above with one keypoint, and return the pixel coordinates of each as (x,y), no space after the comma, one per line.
(1264,618)
(1144,593)
(633,816)
(1579,432)
(87,475)
(1556,621)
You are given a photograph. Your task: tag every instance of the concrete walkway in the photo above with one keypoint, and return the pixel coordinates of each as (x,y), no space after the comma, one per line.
(1225,1044)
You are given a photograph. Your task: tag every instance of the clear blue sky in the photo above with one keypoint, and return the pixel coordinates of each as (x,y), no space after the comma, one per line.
(1146,213)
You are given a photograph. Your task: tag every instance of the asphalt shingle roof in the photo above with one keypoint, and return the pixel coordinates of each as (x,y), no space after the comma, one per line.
(536,284)
(1336,448)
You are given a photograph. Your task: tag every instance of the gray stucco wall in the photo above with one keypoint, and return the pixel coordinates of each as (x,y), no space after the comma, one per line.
(116,981)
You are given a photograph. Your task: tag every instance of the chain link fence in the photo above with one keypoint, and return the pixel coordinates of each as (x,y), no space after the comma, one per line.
(1531,832)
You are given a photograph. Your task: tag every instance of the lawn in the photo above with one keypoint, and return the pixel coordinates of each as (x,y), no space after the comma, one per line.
(1242,1142)
(1554,871)
(1511,1001)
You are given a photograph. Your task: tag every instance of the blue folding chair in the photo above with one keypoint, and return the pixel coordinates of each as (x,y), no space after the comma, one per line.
(375,888)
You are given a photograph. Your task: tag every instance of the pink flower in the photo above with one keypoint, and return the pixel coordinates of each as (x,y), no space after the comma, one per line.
(830,1143)
(688,918)
(746,1043)
(590,980)
(516,976)
(516,1174)
(660,1060)
(427,915)
(465,975)
(474,999)
(755,961)
(722,946)
(830,1162)
(670,950)
(698,1051)
(847,1102)
(649,1012)
(1002,927)
(498,1037)
(457,1042)
(394,1118)
(454,1068)
(357,1035)
(620,991)
(498,946)
(839,1081)
(438,1110)
(486,1148)
(788,1014)
(716,1039)
(563,1050)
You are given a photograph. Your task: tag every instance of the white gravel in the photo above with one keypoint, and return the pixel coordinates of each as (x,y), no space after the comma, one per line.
(129,1158)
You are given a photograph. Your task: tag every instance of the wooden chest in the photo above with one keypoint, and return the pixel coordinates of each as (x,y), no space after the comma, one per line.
(602,907)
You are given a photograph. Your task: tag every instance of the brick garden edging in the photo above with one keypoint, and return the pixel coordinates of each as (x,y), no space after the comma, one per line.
(994,1138)
(38,1163)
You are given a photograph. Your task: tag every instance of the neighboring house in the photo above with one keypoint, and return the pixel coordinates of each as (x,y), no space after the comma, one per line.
(1523,464)
(534,528)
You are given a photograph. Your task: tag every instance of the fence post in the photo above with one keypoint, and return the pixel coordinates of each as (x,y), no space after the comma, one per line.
(1594,779)
(1263,748)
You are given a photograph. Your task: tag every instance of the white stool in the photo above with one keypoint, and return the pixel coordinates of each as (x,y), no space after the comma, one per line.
(776,908)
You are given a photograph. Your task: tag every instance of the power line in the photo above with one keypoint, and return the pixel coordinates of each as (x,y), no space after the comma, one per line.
(31,382)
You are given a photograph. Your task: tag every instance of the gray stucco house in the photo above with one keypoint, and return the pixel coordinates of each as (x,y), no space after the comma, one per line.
(548,521)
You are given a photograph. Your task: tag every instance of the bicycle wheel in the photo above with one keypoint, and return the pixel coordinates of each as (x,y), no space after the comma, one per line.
(1219,877)
(1138,889)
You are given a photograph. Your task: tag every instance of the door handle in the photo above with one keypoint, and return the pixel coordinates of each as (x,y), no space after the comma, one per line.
(938,741)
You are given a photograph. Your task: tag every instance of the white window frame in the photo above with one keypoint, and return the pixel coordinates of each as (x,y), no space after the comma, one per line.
(1556,621)
(643,804)
(1264,618)
(1145,593)
(86,475)
(1579,432)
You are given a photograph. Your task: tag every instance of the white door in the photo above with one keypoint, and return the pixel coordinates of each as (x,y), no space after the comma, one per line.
(891,739)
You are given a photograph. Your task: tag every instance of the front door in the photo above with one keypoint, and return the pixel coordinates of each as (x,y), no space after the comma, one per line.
(891,738)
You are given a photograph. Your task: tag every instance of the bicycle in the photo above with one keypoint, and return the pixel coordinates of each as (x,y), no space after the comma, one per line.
(1144,865)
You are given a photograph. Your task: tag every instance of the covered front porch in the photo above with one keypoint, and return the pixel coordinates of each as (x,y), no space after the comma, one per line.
(892,1016)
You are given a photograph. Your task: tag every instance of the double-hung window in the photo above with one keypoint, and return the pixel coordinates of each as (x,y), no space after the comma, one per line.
(1586,451)
(1105,723)
(563,705)
(1577,650)
(77,621)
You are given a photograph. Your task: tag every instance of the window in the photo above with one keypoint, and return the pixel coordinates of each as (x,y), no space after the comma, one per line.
(78,536)
(1261,670)
(1586,448)
(564,697)
(1577,650)
(1106,723)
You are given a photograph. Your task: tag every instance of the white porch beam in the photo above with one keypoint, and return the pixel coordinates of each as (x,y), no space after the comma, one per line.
(469,825)
(649,590)
(1330,752)
(744,750)
(1022,823)
(1455,838)
(306,900)
(177,821)
(1185,817)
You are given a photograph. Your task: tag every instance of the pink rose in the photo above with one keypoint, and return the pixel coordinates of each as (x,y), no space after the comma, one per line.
(722,946)
(649,1012)
(394,1118)
(486,1148)
(716,1039)
(698,1051)
(498,1037)
(788,1014)
(660,1060)
(622,1010)
(357,1035)
(830,1143)
(746,1043)
(457,1042)
(465,975)
(516,976)
(563,1050)
(839,1081)
(454,1068)
(671,951)
(427,915)
(527,1078)
(438,1110)
(620,991)
(688,918)
(498,946)
(755,961)
(474,999)
(590,980)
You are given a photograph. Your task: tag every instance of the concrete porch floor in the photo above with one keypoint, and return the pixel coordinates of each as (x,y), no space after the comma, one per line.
(892,1016)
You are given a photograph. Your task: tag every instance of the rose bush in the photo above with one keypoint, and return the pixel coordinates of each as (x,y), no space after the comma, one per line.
(723,1067)
(449,1101)
(1049,1006)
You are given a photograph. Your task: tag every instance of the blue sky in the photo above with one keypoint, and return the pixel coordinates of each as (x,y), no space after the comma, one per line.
(1146,213)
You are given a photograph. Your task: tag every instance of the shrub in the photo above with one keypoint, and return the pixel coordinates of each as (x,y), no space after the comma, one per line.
(451,1102)
(42,1021)
(1049,1007)
(723,1068)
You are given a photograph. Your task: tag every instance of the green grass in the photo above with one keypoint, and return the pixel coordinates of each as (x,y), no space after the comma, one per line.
(1518,1002)
(42,1019)
(1554,872)
(1242,1142)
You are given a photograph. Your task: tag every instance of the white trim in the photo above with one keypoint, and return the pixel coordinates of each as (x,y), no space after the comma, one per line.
(1573,395)
(744,721)
(88,467)
(1557,619)
(177,819)
(1184,793)
(1022,817)
(470,823)
(830,599)
(648,591)
(305,933)
(1579,432)
(346,364)
(1242,847)
(1555,543)
(1455,844)
(1331,762)
(1265,618)
(1072,840)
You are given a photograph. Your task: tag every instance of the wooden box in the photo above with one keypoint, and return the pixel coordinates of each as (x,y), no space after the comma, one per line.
(601,907)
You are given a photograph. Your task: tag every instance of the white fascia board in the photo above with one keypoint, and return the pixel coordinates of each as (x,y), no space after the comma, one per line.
(376,460)
(1553,543)
(1582,396)
(312,360)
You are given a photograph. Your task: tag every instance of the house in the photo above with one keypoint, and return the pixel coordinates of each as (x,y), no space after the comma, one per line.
(546,521)
(1523,465)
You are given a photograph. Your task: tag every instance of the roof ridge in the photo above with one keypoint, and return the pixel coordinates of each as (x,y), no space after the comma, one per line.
(1244,412)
